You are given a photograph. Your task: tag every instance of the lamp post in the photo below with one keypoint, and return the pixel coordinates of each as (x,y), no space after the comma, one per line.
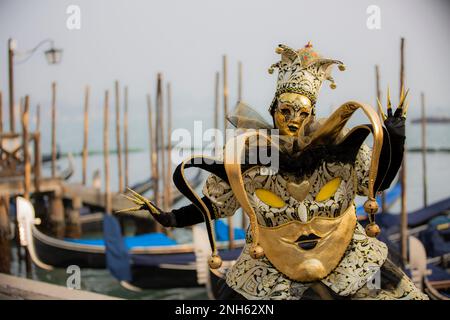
(53,56)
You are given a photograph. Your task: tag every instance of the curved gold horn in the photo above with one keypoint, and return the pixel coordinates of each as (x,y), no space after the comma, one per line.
(333,127)
(232,160)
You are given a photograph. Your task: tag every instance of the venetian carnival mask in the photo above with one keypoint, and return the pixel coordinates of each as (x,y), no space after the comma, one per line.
(314,248)
(292,113)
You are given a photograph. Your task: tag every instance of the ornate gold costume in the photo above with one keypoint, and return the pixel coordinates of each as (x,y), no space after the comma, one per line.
(303,229)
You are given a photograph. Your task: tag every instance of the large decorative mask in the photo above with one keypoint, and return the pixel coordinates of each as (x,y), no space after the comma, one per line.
(314,248)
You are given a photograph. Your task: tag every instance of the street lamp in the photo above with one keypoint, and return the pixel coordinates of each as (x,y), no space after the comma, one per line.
(53,56)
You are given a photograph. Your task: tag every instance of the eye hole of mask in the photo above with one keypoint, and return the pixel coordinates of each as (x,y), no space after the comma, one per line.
(270,198)
(328,189)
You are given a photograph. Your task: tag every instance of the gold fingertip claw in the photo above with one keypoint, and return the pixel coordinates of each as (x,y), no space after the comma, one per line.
(405,109)
(137,208)
(144,201)
(135,200)
(389,105)
(380,109)
(137,195)
(403,96)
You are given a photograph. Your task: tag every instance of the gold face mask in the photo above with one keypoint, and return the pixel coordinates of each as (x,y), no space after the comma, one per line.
(308,251)
(292,111)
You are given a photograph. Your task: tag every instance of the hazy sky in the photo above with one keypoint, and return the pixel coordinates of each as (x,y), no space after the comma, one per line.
(132,40)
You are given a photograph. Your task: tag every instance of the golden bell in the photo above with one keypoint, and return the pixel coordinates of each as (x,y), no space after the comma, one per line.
(256,252)
(215,262)
(372,230)
(341,67)
(371,206)
(333,85)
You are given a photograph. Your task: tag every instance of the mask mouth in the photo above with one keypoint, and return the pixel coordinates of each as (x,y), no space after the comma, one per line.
(293,128)
(308,242)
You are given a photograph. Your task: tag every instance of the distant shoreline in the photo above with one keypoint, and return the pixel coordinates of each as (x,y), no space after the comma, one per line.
(137,150)
(432,120)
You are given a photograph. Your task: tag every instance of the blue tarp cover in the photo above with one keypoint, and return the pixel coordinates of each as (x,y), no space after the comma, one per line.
(144,240)
(160,239)
(222,231)
(117,257)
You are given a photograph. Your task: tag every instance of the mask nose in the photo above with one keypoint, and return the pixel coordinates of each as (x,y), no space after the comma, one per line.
(299,191)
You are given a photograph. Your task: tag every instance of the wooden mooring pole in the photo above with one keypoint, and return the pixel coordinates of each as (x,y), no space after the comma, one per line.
(53,129)
(424,151)
(37,150)
(160,136)
(38,117)
(85,135)
(12,119)
(118,143)
(145,225)
(25,117)
(56,215)
(108,204)
(26,153)
(162,139)
(168,181)
(73,225)
(125,135)
(378,94)
(225,111)
(216,111)
(5,247)
(152,149)
(404,213)
(56,219)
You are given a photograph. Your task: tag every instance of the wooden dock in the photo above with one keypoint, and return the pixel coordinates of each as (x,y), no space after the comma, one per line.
(16,185)
(15,288)
(91,196)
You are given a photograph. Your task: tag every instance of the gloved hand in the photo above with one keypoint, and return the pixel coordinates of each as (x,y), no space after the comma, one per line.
(395,122)
(166,219)
(394,139)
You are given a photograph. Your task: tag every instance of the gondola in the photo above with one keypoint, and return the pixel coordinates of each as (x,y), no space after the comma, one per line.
(156,260)
(429,246)
(432,278)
